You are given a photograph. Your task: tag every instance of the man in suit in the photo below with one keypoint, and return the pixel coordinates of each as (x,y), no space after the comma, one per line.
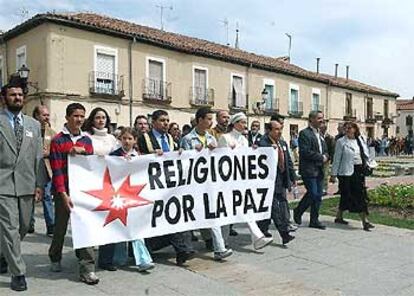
(158,141)
(20,181)
(312,157)
(254,134)
(285,178)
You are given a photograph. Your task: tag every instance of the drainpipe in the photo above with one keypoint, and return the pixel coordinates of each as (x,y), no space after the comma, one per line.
(317,65)
(347,73)
(336,70)
(130,86)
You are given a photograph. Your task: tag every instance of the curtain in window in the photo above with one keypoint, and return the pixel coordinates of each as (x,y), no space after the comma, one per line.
(269,99)
(238,100)
(294,100)
(200,85)
(105,73)
(155,81)
(315,102)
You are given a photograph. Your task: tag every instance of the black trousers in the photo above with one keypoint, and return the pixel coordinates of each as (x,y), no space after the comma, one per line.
(279,214)
(179,241)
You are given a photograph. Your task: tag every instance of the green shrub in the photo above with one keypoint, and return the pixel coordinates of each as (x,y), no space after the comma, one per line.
(395,196)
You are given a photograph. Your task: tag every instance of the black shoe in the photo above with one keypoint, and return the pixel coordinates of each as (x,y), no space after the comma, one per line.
(182,257)
(286,237)
(367,226)
(18,283)
(233,232)
(31,229)
(317,226)
(3,265)
(267,234)
(209,244)
(108,267)
(193,237)
(324,193)
(296,217)
(50,230)
(341,221)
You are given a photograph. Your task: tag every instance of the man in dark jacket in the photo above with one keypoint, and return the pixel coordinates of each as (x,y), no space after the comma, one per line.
(285,178)
(312,156)
(158,141)
(254,134)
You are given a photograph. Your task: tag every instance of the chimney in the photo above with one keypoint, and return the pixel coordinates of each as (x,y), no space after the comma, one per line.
(236,44)
(336,70)
(347,72)
(317,65)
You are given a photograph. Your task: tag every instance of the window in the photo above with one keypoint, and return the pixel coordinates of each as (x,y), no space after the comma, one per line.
(155,82)
(238,99)
(1,71)
(409,120)
(270,103)
(348,104)
(369,108)
(20,57)
(200,93)
(105,75)
(316,95)
(386,109)
(294,99)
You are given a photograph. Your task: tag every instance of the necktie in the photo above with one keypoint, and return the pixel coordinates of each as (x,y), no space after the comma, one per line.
(164,145)
(18,132)
(281,161)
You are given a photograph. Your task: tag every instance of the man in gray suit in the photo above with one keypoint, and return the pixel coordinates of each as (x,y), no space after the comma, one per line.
(20,183)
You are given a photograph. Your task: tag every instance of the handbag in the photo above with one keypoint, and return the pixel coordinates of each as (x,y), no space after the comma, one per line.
(366,169)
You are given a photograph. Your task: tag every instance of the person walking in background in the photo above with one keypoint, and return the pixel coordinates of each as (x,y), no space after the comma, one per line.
(41,114)
(70,141)
(351,155)
(330,145)
(312,156)
(141,124)
(294,146)
(236,139)
(21,182)
(254,134)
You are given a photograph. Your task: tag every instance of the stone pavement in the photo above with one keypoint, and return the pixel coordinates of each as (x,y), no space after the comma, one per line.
(342,260)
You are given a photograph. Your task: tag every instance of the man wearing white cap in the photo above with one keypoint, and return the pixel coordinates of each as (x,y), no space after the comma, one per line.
(234,139)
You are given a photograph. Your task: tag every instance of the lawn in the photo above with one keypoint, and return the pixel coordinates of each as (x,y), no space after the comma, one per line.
(398,214)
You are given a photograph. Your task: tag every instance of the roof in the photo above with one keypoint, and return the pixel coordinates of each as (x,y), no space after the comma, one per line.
(405,104)
(124,29)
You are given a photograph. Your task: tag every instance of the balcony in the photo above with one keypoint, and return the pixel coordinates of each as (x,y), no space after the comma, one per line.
(296,110)
(106,84)
(201,96)
(350,115)
(370,119)
(387,120)
(156,91)
(237,101)
(317,107)
(379,117)
(273,108)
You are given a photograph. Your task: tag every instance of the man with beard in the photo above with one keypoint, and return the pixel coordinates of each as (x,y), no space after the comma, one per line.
(21,183)
(158,141)
(222,118)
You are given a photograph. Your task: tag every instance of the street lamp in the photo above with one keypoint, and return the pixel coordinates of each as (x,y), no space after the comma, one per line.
(261,105)
(23,73)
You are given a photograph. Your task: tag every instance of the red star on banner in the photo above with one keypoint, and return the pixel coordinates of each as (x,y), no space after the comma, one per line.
(118,202)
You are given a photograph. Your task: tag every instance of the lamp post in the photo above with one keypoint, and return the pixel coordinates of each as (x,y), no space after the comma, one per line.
(23,73)
(260,106)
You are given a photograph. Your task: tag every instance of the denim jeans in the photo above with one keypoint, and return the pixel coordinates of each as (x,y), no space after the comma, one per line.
(312,198)
(48,205)
(141,254)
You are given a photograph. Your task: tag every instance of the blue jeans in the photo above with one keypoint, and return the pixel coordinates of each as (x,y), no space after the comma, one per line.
(48,205)
(312,197)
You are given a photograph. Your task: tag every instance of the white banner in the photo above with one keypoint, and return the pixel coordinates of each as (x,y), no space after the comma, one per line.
(116,199)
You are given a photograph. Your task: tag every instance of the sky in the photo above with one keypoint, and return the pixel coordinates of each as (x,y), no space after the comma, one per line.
(374,37)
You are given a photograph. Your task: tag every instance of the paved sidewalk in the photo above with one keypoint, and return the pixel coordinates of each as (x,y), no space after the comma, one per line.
(337,261)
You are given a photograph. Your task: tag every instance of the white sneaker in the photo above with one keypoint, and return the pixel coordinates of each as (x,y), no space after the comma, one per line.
(221,255)
(262,242)
(56,266)
(89,278)
(145,266)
